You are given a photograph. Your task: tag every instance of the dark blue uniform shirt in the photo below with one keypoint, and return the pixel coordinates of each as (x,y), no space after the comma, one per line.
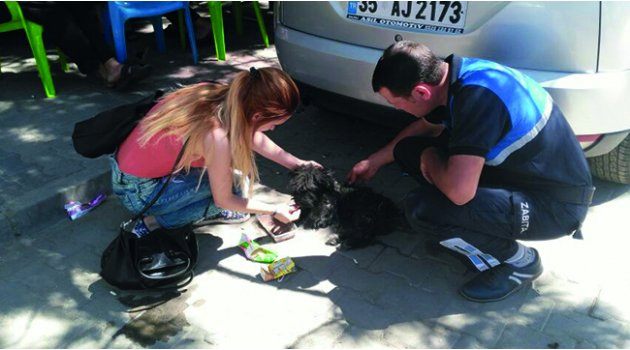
(506,117)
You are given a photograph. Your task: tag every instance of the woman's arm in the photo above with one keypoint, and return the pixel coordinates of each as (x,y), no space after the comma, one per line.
(264,146)
(218,163)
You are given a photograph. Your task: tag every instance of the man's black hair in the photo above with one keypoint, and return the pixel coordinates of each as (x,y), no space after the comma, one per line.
(405,64)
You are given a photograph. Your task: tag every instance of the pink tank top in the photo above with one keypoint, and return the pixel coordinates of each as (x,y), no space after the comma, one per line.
(154,160)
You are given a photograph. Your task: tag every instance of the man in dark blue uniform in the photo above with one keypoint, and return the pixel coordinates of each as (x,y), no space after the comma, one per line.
(496,161)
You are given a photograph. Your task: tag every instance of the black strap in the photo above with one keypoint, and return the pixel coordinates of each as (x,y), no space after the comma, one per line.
(168,179)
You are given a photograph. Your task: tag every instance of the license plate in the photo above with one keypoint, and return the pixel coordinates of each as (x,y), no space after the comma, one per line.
(433,16)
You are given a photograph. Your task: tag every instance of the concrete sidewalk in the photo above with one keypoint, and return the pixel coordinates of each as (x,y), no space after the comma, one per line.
(392,294)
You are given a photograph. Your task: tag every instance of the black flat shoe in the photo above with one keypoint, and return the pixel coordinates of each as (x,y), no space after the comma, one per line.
(500,282)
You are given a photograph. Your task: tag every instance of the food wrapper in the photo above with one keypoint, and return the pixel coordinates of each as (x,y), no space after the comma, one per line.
(76,210)
(277,269)
(254,252)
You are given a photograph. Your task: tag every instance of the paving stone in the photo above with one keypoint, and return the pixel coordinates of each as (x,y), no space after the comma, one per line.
(469,342)
(486,331)
(413,303)
(324,336)
(420,335)
(369,284)
(42,327)
(359,338)
(392,262)
(581,299)
(404,242)
(363,257)
(12,258)
(362,313)
(524,337)
(604,334)
(612,304)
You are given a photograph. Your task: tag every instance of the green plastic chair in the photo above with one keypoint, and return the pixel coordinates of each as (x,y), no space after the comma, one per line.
(34,35)
(216,18)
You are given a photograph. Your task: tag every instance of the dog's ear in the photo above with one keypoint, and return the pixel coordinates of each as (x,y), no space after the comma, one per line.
(310,178)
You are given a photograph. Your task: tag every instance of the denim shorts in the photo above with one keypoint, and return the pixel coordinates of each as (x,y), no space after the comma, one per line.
(186,199)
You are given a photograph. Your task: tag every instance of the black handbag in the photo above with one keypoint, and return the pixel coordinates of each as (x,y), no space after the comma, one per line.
(163,259)
(104,132)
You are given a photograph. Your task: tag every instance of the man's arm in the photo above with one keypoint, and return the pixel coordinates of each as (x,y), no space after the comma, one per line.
(420,127)
(365,169)
(456,176)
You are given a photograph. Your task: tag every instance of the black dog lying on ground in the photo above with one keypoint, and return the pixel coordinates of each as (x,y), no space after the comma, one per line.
(357,214)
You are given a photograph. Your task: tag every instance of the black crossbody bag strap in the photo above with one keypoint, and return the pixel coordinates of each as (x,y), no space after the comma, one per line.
(168,180)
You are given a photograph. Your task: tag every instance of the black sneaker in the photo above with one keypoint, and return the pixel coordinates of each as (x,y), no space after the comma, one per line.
(500,282)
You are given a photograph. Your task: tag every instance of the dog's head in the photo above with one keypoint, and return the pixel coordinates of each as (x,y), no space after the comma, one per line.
(315,191)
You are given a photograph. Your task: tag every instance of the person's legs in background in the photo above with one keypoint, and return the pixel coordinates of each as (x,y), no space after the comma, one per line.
(75,29)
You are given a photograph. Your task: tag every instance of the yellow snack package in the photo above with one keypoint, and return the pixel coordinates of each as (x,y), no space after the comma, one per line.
(277,269)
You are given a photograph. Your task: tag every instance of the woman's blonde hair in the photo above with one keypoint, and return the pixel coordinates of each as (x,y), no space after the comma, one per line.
(193,111)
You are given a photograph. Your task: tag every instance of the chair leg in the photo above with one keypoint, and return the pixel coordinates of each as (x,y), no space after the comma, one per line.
(107,26)
(237,7)
(159,34)
(34,35)
(191,34)
(180,24)
(63,60)
(216,18)
(117,22)
(261,23)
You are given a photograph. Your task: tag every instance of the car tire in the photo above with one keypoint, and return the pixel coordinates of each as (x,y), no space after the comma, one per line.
(614,165)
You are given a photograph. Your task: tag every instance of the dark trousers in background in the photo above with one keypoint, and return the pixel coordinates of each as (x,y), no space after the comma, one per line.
(494,219)
(75,28)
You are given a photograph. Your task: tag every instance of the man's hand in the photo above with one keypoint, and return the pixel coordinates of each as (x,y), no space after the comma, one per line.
(363,171)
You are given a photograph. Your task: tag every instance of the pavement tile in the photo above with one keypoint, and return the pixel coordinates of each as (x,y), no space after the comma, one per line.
(524,337)
(368,283)
(486,331)
(420,335)
(361,312)
(604,334)
(469,342)
(404,242)
(354,337)
(612,303)
(582,296)
(324,336)
(411,302)
(392,262)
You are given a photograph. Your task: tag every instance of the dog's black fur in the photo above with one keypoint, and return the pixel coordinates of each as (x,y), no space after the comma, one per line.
(357,214)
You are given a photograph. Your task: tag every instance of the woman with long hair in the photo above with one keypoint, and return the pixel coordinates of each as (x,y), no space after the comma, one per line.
(220,127)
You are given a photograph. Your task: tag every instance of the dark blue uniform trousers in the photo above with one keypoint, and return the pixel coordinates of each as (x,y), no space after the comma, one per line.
(494,219)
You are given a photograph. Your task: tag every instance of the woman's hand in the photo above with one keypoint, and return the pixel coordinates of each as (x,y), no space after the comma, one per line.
(287,212)
(309,162)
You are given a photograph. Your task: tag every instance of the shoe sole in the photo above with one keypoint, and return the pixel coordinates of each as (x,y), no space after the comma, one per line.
(521,286)
(221,222)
